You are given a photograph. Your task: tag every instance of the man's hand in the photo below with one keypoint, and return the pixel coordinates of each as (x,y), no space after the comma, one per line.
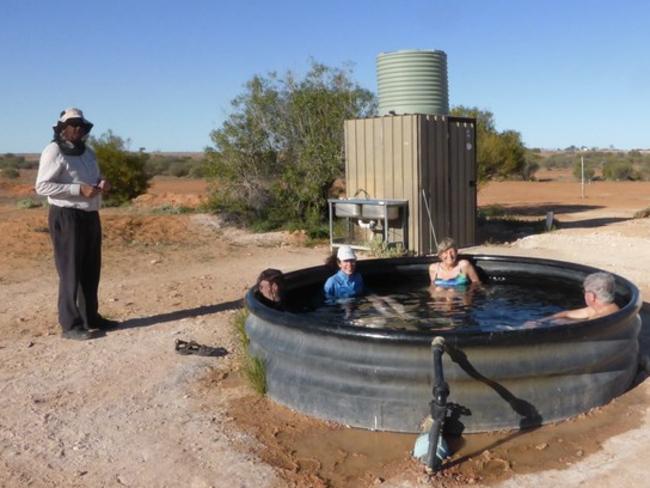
(88,191)
(104,186)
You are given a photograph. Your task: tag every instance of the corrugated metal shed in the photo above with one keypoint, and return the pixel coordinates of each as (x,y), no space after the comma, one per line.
(396,157)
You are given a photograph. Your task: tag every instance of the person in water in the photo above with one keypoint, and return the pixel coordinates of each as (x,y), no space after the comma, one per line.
(270,288)
(599,291)
(347,282)
(451,272)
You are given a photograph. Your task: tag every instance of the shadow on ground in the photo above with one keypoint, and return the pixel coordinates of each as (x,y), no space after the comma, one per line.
(541,210)
(181,314)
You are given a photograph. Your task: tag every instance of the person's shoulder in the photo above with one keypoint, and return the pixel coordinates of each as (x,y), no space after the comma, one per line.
(330,281)
(90,151)
(51,150)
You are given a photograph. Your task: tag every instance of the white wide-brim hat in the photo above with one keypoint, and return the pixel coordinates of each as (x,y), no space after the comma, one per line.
(70,114)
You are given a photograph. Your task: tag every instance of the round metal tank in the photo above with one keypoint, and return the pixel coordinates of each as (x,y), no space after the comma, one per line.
(381,379)
(412,82)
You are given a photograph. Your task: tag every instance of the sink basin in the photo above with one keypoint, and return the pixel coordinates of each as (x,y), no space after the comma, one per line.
(379,212)
(343,209)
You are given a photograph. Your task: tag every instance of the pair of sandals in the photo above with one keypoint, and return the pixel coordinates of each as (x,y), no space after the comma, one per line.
(193,347)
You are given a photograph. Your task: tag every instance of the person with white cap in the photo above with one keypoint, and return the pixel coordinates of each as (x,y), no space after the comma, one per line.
(346,283)
(69,176)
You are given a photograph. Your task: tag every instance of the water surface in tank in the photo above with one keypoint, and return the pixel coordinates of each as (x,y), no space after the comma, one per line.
(407,302)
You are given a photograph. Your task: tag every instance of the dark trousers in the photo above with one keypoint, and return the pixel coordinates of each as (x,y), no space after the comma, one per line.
(77,240)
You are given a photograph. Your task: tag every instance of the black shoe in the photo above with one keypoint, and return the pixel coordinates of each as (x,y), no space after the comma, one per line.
(80,334)
(105,324)
(192,347)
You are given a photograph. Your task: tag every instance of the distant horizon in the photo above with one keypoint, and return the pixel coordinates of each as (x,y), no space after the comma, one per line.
(36,155)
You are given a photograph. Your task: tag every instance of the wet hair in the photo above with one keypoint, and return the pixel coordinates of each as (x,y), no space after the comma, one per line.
(332,260)
(602,285)
(446,244)
(271,275)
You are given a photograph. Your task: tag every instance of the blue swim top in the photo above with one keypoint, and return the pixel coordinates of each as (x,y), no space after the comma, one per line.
(459,280)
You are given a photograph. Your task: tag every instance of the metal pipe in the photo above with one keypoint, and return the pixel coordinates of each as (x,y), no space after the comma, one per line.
(438,404)
(431,227)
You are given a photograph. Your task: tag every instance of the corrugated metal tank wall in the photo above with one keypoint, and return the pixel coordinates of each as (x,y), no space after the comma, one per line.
(396,157)
(412,82)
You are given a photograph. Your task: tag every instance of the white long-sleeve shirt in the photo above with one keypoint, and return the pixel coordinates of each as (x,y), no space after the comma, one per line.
(60,177)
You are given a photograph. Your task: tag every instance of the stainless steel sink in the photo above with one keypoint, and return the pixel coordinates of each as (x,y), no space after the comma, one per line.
(379,212)
(342,209)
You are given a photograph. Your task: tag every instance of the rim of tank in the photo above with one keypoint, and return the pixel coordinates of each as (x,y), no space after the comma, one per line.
(457,336)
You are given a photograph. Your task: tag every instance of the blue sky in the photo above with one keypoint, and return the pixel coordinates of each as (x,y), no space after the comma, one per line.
(162,73)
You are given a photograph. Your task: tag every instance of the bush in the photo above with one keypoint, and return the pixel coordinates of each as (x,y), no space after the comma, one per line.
(590,170)
(124,169)
(279,152)
(9,173)
(619,170)
(28,203)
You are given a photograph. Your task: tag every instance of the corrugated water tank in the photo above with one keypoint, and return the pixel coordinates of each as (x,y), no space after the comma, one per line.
(412,82)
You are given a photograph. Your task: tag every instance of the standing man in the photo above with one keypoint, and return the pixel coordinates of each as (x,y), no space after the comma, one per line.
(69,176)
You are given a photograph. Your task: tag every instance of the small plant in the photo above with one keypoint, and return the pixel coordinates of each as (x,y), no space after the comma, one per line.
(239,324)
(253,367)
(28,203)
(255,371)
(173,209)
(382,249)
(490,211)
(642,214)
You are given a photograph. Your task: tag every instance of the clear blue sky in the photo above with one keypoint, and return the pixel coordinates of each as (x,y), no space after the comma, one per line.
(162,73)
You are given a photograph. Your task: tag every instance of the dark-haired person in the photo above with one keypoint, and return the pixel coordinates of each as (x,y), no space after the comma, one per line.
(68,175)
(270,288)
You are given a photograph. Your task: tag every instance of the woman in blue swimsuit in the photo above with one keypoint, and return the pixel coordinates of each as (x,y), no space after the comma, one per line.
(450,272)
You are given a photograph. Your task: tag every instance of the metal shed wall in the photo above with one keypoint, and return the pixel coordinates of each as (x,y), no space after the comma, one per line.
(396,157)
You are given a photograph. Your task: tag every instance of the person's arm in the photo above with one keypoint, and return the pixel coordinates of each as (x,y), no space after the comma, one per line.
(433,271)
(470,271)
(578,313)
(49,168)
(329,288)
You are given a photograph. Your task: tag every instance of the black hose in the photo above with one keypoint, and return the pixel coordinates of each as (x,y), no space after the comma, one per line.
(438,404)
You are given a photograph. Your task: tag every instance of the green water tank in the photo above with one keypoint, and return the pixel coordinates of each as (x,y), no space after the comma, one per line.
(412,81)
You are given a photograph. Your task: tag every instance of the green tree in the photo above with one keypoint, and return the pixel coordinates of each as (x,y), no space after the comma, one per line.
(123,168)
(281,148)
(499,154)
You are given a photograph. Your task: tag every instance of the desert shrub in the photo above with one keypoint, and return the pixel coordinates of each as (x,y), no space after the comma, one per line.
(28,203)
(619,170)
(179,169)
(590,170)
(642,214)
(123,168)
(531,167)
(9,173)
(10,160)
(280,150)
